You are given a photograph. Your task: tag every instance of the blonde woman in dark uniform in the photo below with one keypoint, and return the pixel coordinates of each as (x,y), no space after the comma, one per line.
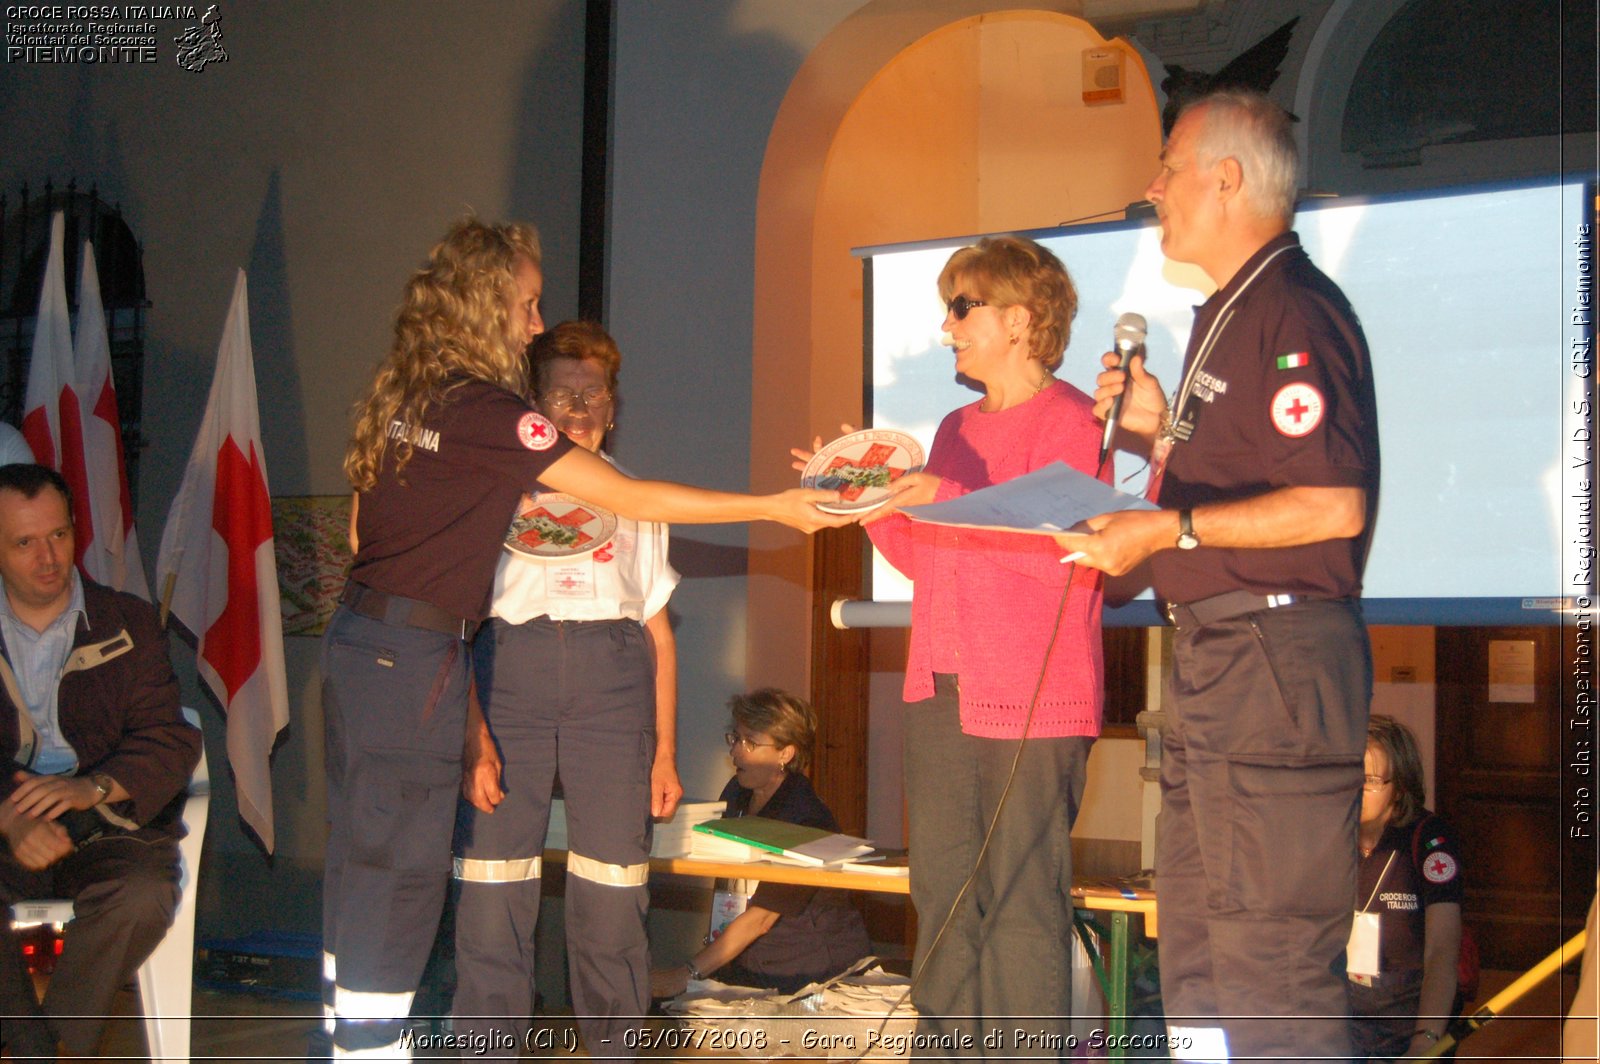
(444,446)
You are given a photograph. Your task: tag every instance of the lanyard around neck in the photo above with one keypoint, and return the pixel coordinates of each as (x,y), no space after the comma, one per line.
(1180,424)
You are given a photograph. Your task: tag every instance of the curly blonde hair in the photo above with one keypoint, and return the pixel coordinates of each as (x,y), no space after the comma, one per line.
(1009,271)
(453,323)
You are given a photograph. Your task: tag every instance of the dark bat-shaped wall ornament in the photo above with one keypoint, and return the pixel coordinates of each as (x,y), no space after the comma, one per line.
(1256,68)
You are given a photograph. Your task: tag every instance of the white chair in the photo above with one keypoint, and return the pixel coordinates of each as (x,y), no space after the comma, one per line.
(166,979)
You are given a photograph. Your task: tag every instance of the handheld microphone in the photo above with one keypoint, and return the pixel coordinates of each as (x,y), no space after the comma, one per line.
(1128,337)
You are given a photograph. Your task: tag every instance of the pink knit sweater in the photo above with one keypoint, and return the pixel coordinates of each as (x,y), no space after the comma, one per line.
(984,603)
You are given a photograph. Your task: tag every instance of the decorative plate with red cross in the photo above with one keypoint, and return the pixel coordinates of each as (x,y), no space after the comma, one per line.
(1297,409)
(860,467)
(553,525)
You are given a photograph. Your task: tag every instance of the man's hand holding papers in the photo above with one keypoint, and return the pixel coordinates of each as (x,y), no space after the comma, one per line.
(1115,543)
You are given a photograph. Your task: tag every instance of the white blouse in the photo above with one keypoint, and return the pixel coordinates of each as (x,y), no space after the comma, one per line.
(629,577)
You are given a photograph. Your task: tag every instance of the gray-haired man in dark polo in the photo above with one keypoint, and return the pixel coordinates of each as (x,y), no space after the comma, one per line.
(1266,466)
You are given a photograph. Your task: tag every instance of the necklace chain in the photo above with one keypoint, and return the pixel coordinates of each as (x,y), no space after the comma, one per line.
(1044,382)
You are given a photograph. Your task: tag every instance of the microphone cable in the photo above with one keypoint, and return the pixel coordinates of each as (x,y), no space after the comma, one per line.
(1000,805)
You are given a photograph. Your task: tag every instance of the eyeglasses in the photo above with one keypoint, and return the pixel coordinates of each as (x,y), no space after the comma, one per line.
(960,305)
(750,745)
(1373,783)
(564,399)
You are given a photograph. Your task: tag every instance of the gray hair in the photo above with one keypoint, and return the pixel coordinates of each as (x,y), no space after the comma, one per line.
(1249,127)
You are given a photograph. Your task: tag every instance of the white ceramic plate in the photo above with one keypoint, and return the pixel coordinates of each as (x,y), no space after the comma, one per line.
(555,526)
(860,467)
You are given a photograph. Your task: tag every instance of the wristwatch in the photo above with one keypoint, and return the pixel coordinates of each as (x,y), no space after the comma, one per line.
(103,784)
(1187,540)
(694,973)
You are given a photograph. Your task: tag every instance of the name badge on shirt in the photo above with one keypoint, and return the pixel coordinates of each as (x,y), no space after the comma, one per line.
(1361,952)
(571,580)
(726,905)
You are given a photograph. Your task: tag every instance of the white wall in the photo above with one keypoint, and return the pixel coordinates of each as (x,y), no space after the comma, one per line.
(696,88)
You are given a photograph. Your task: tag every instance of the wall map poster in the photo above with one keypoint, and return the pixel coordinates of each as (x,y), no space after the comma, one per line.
(312,534)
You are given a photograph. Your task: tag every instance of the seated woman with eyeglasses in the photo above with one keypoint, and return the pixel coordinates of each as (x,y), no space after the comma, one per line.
(576,672)
(1410,877)
(788,935)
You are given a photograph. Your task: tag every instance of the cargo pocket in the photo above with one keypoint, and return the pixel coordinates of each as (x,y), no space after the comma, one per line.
(1293,847)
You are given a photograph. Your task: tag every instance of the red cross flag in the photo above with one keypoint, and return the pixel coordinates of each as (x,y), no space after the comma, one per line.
(108,546)
(217,572)
(51,418)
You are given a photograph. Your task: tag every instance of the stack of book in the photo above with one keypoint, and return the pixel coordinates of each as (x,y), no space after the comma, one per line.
(671,838)
(674,837)
(756,838)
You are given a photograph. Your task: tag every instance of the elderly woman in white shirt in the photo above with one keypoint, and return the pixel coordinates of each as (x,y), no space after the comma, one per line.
(576,674)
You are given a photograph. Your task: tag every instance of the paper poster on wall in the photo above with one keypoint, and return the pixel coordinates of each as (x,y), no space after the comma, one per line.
(1511,670)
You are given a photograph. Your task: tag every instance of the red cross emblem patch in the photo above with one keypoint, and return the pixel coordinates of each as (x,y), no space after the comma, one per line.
(1439,868)
(536,432)
(1296,409)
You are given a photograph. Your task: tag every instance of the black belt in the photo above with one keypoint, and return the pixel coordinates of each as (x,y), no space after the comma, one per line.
(413,613)
(1226,606)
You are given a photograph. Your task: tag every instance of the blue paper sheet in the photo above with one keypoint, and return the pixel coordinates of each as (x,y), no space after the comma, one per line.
(1048,500)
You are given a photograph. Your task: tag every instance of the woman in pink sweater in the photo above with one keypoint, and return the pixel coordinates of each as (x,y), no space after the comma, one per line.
(990,612)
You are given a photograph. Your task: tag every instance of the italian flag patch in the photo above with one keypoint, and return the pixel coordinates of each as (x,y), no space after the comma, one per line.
(1295,360)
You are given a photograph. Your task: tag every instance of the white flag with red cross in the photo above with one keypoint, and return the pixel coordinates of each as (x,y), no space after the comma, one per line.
(218,573)
(51,417)
(108,545)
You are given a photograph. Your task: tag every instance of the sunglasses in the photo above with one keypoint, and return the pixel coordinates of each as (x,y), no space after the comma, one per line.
(960,305)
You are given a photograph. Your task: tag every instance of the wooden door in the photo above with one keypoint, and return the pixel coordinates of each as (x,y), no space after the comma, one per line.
(1505,779)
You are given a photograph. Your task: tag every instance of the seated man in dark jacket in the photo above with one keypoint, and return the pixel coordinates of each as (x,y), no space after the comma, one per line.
(100,756)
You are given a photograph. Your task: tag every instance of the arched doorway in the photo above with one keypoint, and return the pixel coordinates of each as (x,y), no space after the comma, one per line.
(911,120)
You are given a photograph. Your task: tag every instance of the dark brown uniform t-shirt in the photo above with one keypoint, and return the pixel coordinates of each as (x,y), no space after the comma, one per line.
(434,531)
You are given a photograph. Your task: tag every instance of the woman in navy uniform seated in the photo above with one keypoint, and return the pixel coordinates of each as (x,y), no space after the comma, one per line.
(1411,877)
(788,935)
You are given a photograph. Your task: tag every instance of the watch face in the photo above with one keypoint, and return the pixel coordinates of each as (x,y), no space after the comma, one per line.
(1187,540)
